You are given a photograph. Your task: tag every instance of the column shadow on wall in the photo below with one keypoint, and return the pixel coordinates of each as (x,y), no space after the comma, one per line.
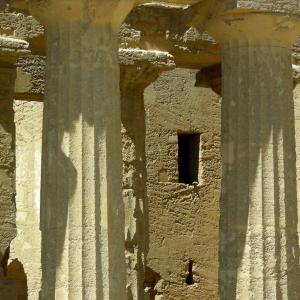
(54,216)
(55,207)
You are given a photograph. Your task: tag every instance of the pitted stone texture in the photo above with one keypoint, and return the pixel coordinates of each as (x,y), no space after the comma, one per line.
(171,28)
(110,12)
(11,49)
(155,26)
(286,6)
(134,187)
(138,69)
(30,81)
(19,25)
(145,58)
(23,4)
(183,220)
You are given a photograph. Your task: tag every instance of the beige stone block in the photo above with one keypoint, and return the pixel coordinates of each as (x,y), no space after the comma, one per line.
(23,81)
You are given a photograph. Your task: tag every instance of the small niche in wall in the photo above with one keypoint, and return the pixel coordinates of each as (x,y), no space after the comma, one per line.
(188,158)
(163,175)
(190,277)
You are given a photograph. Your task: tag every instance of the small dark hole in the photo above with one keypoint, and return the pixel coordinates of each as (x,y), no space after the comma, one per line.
(188,158)
(189,278)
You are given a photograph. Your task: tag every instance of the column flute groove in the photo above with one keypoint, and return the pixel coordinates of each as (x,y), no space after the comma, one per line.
(82,217)
(259,251)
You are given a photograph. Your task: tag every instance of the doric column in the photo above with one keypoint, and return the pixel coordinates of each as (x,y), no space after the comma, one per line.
(259,246)
(138,69)
(82,214)
(10,50)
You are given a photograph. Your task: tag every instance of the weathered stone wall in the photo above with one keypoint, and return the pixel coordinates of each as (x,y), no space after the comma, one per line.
(267,5)
(24,26)
(183,220)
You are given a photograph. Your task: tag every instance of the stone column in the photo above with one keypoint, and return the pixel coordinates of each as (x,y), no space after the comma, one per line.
(82,214)
(8,229)
(259,246)
(138,69)
(10,50)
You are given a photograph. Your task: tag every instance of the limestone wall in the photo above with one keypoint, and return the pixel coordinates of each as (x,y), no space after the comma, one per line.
(266,5)
(183,220)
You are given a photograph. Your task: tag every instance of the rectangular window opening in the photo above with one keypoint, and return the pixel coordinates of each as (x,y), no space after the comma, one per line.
(188,158)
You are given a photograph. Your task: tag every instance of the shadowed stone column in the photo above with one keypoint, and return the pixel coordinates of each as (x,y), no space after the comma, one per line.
(82,215)
(8,229)
(10,50)
(138,69)
(259,246)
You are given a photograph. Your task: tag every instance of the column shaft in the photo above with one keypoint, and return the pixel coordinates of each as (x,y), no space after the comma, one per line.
(259,253)
(81,206)
(138,69)
(8,229)
(134,188)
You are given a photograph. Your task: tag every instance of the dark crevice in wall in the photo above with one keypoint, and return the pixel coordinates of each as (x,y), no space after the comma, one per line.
(190,277)
(16,272)
(188,158)
(4,261)
(151,279)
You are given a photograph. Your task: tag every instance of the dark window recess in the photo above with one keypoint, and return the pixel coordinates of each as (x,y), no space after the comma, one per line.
(188,158)
(189,278)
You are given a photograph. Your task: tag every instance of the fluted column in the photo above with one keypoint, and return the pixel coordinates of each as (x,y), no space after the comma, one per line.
(82,215)
(138,69)
(259,245)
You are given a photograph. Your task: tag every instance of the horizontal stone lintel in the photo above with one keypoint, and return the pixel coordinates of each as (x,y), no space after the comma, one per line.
(140,57)
(11,49)
(133,60)
(13,43)
(262,5)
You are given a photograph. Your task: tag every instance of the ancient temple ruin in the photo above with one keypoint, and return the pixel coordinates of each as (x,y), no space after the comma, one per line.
(149,150)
